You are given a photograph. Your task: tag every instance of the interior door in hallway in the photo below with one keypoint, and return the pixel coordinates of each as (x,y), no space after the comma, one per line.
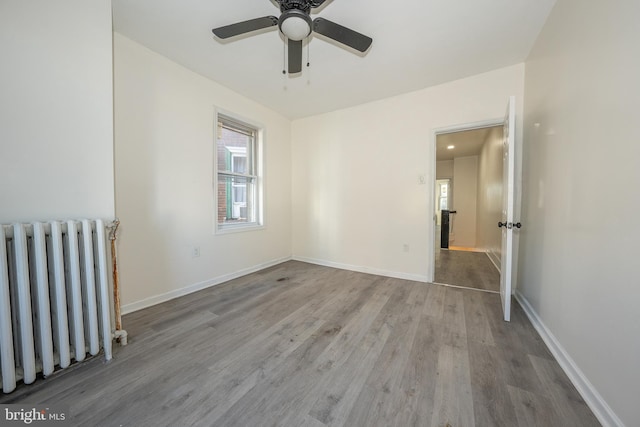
(508,207)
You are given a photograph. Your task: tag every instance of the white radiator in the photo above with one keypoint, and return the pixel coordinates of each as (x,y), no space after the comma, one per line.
(55,297)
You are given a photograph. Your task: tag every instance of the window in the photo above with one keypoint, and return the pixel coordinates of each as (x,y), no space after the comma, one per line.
(443,197)
(238,180)
(444,192)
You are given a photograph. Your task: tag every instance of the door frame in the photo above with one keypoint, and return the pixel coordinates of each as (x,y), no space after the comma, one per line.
(431,181)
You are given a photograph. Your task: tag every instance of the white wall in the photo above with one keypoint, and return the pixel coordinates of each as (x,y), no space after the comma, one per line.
(579,245)
(444,169)
(465,201)
(56,119)
(490,183)
(164,129)
(357,198)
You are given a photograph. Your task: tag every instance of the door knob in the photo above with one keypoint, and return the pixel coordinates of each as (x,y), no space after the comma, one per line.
(509,225)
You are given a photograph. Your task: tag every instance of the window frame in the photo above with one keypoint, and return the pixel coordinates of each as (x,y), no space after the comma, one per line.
(256,174)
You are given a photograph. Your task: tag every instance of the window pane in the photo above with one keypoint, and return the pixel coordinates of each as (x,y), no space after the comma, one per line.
(443,203)
(235,199)
(235,152)
(240,194)
(239,164)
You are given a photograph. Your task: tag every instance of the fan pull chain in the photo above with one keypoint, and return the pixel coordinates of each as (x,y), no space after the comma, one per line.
(284,56)
(284,64)
(309,61)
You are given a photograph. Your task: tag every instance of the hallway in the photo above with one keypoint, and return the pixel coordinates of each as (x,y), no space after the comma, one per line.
(466,269)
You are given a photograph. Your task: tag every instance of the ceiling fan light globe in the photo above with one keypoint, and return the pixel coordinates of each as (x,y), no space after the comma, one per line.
(295,25)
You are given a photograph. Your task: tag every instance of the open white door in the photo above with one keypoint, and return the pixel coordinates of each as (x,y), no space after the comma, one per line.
(508,206)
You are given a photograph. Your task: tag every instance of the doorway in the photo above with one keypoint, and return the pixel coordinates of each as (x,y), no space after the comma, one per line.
(468,202)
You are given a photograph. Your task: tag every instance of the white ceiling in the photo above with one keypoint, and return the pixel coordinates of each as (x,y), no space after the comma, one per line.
(416,44)
(466,143)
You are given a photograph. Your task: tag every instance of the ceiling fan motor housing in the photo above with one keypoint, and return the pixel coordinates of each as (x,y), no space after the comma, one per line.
(303,5)
(295,23)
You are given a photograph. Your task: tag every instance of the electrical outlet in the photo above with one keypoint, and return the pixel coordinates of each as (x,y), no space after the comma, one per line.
(405,247)
(195,253)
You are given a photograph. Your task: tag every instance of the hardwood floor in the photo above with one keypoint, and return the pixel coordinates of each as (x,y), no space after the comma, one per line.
(304,345)
(467,269)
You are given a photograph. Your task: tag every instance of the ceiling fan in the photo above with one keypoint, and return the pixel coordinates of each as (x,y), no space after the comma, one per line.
(296,25)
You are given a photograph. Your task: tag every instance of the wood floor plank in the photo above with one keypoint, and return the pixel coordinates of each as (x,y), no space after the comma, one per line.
(253,356)
(491,399)
(343,343)
(383,397)
(454,325)
(434,304)
(338,357)
(420,375)
(477,322)
(514,346)
(351,296)
(305,345)
(333,403)
(281,392)
(310,421)
(453,401)
(418,294)
(533,410)
(338,395)
(566,401)
(234,329)
(254,392)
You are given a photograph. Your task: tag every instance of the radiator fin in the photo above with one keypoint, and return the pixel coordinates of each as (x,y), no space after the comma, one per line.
(7,363)
(24,313)
(43,312)
(59,297)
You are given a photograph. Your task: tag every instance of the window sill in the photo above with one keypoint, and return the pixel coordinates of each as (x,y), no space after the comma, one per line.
(230,229)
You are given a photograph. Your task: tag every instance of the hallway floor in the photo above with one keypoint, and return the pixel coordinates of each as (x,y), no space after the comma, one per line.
(467,269)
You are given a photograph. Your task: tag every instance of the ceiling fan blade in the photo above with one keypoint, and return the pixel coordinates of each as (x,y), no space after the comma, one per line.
(341,34)
(245,27)
(295,56)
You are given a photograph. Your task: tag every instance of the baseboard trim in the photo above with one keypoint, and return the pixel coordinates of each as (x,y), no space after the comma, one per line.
(494,260)
(594,400)
(363,269)
(176,293)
